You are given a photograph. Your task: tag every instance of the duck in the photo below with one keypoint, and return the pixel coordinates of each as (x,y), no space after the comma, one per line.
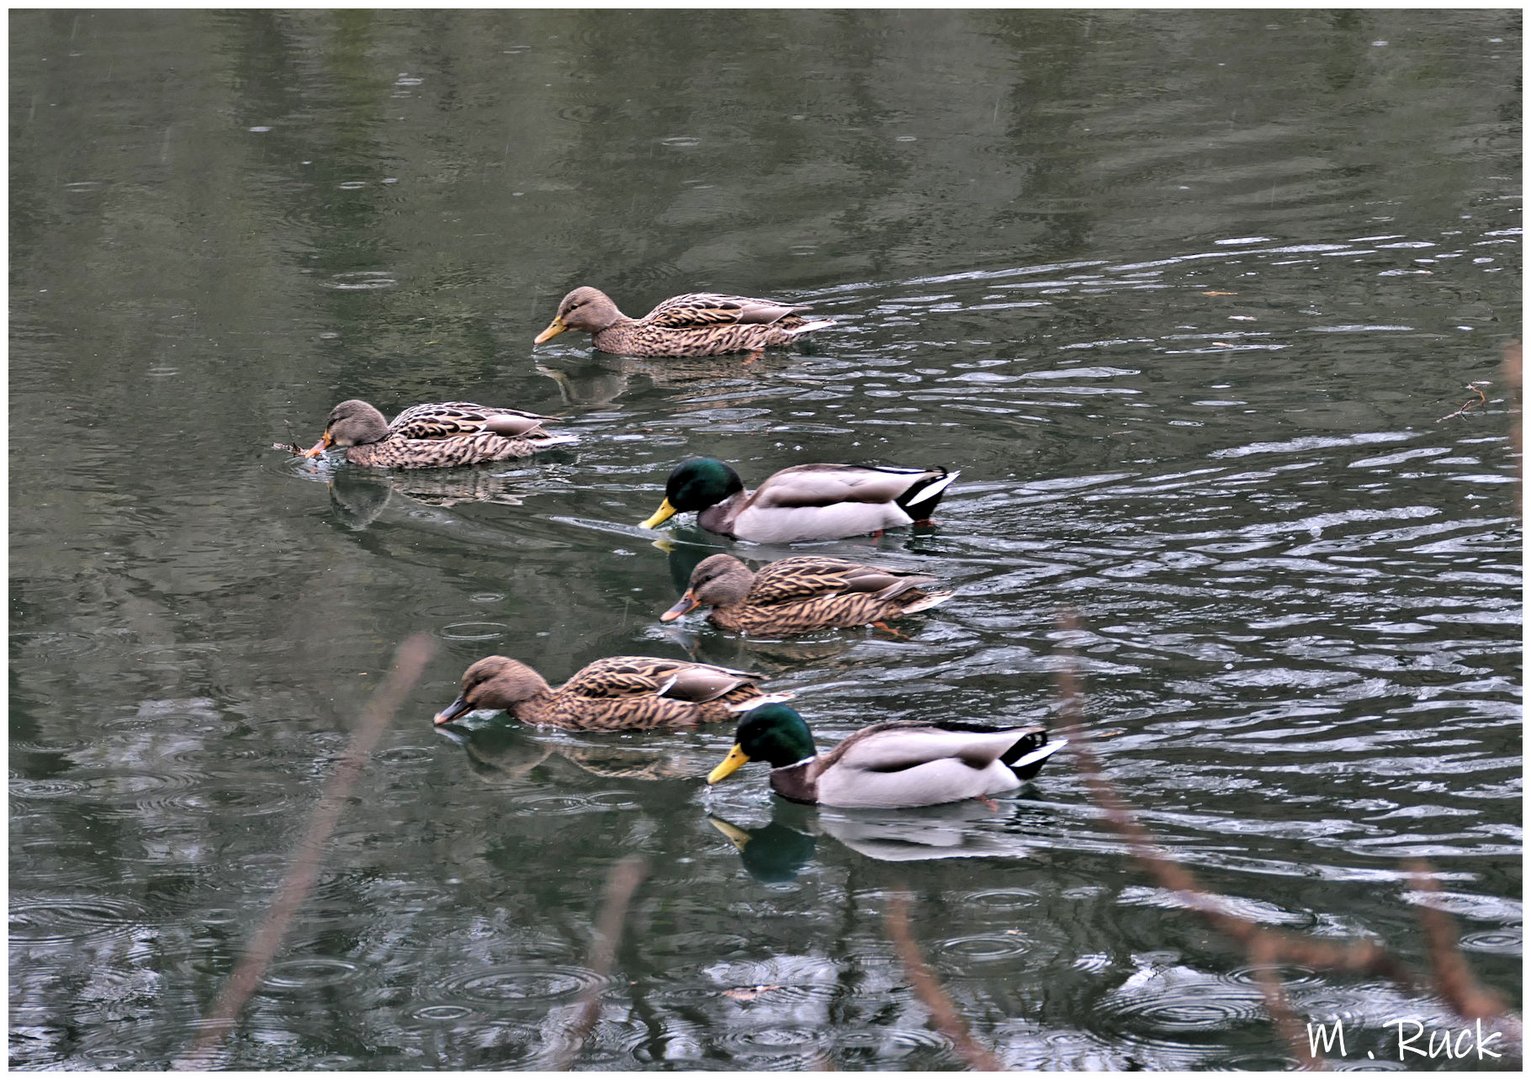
(888,765)
(801,594)
(803,502)
(696,324)
(437,435)
(617,693)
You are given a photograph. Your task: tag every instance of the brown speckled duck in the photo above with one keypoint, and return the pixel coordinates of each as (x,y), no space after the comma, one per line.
(696,324)
(889,764)
(804,502)
(434,436)
(803,593)
(619,693)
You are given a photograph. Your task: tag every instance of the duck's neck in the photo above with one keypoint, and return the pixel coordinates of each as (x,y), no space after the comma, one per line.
(534,701)
(719,517)
(796,782)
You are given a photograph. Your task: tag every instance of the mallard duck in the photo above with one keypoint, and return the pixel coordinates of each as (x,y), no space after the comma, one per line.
(619,693)
(890,764)
(696,324)
(803,593)
(804,502)
(434,436)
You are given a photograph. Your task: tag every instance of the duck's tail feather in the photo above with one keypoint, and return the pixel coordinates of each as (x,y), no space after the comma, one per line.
(920,498)
(928,601)
(1026,757)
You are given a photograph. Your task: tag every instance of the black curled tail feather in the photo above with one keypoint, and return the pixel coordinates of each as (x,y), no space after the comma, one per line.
(1030,752)
(921,498)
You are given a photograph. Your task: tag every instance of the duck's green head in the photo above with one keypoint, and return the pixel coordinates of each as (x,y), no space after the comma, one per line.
(695,484)
(773,733)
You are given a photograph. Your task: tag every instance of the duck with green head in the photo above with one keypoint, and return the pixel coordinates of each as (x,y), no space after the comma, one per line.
(889,764)
(804,502)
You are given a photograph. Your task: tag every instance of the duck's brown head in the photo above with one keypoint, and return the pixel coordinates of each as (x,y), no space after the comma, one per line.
(585,309)
(495,682)
(351,423)
(717,581)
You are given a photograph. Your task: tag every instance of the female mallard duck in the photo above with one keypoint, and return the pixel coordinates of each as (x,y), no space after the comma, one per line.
(804,502)
(434,436)
(696,324)
(619,693)
(887,765)
(803,593)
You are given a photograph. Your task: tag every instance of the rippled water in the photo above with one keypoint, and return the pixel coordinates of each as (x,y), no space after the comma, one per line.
(1187,297)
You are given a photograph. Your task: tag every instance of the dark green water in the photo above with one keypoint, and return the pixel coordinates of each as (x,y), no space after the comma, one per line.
(1185,295)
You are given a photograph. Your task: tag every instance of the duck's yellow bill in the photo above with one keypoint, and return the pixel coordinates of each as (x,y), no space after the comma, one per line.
(662,515)
(555,328)
(728,766)
(680,607)
(321,446)
(736,836)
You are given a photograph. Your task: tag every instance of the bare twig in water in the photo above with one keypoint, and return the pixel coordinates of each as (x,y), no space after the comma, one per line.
(409,662)
(1264,962)
(621,883)
(1453,982)
(1509,369)
(1450,976)
(1476,403)
(942,1012)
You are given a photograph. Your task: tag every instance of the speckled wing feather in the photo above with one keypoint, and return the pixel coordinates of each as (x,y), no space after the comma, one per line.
(808,576)
(449,419)
(645,676)
(694,310)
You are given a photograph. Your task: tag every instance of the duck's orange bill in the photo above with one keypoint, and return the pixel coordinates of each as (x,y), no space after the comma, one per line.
(321,446)
(684,604)
(555,328)
(726,768)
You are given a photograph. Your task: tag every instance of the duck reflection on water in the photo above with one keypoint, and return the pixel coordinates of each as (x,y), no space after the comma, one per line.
(359,496)
(777,851)
(500,748)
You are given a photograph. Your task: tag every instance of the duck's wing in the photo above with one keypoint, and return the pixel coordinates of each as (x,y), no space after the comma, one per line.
(649,676)
(898,764)
(893,746)
(696,310)
(830,485)
(450,419)
(808,576)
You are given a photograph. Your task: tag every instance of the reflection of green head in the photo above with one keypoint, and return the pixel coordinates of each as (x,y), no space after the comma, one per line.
(700,482)
(772,854)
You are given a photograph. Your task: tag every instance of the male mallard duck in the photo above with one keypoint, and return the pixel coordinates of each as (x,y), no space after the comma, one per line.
(803,593)
(890,764)
(804,502)
(434,436)
(619,693)
(696,324)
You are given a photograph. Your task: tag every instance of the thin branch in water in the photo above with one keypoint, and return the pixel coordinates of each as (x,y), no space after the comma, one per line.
(1510,372)
(1264,962)
(621,883)
(1475,403)
(1452,980)
(928,988)
(409,662)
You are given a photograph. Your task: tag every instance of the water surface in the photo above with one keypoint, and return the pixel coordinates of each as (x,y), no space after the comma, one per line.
(1188,297)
